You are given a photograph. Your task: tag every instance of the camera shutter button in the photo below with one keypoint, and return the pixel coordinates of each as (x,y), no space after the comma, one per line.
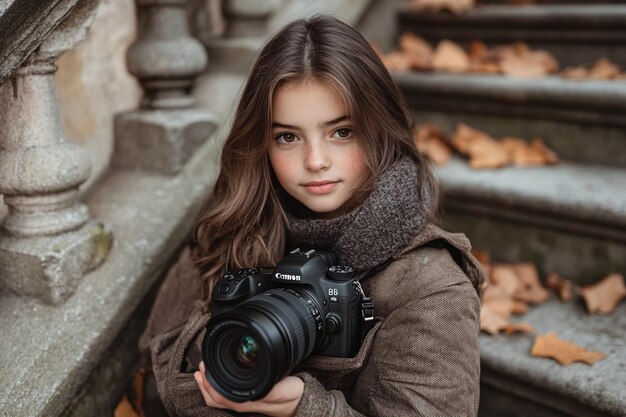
(341,273)
(224,288)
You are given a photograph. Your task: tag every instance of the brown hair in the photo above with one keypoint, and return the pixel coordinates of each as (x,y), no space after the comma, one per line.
(245,225)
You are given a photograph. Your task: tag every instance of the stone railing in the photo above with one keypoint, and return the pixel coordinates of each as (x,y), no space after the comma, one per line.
(48,240)
(78,268)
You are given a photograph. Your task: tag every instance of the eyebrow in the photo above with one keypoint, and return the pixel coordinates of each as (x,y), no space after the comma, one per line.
(325,124)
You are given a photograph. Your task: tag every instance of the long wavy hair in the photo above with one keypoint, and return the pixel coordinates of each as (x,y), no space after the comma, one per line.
(244,224)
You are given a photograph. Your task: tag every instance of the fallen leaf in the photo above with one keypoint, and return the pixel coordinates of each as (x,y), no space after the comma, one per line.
(125,409)
(563,286)
(431,141)
(531,291)
(454,6)
(603,297)
(449,56)
(549,156)
(518,328)
(505,277)
(521,153)
(519,61)
(490,321)
(478,51)
(397,61)
(575,73)
(564,352)
(483,151)
(419,50)
(603,69)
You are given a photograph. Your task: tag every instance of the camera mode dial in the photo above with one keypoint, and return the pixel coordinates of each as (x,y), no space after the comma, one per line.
(341,273)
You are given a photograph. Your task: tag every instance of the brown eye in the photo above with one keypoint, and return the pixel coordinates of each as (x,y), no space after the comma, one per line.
(285,138)
(344,133)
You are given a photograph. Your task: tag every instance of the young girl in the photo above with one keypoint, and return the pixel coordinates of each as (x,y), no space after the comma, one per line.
(320,155)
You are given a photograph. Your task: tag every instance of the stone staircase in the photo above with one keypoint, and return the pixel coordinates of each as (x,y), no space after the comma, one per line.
(569,218)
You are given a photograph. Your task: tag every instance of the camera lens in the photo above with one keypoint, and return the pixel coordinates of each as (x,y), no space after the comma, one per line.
(248,353)
(248,349)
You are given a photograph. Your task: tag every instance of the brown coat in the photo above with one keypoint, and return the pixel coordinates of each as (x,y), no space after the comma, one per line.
(420,359)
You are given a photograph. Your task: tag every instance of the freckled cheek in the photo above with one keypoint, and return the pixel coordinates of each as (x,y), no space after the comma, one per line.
(356,165)
(284,167)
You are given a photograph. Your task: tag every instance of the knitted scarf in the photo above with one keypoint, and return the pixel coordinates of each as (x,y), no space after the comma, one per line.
(372,233)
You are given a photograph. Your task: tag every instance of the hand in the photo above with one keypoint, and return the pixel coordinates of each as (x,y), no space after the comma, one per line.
(281,401)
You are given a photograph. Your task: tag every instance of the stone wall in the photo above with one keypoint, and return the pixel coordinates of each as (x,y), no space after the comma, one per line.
(93,83)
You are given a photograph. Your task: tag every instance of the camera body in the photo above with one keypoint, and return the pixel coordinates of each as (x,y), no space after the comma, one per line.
(266,321)
(329,291)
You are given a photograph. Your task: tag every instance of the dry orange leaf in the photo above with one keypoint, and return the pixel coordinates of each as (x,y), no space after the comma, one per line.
(125,409)
(562,351)
(525,154)
(603,297)
(478,51)
(518,328)
(431,141)
(519,61)
(531,291)
(603,69)
(418,49)
(398,61)
(490,321)
(454,6)
(449,56)
(563,286)
(575,73)
(483,151)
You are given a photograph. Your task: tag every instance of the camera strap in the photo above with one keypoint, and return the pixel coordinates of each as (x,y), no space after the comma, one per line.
(367,309)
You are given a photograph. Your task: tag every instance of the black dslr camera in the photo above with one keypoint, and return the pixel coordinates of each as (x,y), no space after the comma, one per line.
(265,321)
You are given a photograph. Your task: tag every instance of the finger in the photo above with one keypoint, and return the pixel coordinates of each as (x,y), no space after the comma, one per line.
(205,395)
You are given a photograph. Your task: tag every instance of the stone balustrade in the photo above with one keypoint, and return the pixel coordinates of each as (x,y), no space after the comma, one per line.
(47,239)
(167,129)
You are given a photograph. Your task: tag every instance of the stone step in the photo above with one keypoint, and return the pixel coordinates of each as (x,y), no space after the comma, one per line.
(515,384)
(582,121)
(575,34)
(567,218)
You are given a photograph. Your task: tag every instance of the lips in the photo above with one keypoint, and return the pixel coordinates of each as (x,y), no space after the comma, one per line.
(320,187)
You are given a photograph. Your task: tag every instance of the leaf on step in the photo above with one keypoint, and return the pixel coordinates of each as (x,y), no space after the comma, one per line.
(432,142)
(397,61)
(505,277)
(603,69)
(564,352)
(523,153)
(125,409)
(530,291)
(575,73)
(418,49)
(563,286)
(454,6)
(603,297)
(449,56)
(483,151)
(491,321)
(518,328)
(519,60)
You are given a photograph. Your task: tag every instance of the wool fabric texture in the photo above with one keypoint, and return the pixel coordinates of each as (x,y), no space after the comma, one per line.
(369,235)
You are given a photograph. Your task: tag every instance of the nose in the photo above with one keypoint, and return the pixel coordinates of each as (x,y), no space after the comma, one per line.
(317,157)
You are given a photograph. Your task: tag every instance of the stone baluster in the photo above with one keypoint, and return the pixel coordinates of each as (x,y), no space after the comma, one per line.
(47,240)
(248,18)
(164,133)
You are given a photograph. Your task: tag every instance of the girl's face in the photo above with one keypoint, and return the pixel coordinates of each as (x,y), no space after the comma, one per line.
(313,149)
